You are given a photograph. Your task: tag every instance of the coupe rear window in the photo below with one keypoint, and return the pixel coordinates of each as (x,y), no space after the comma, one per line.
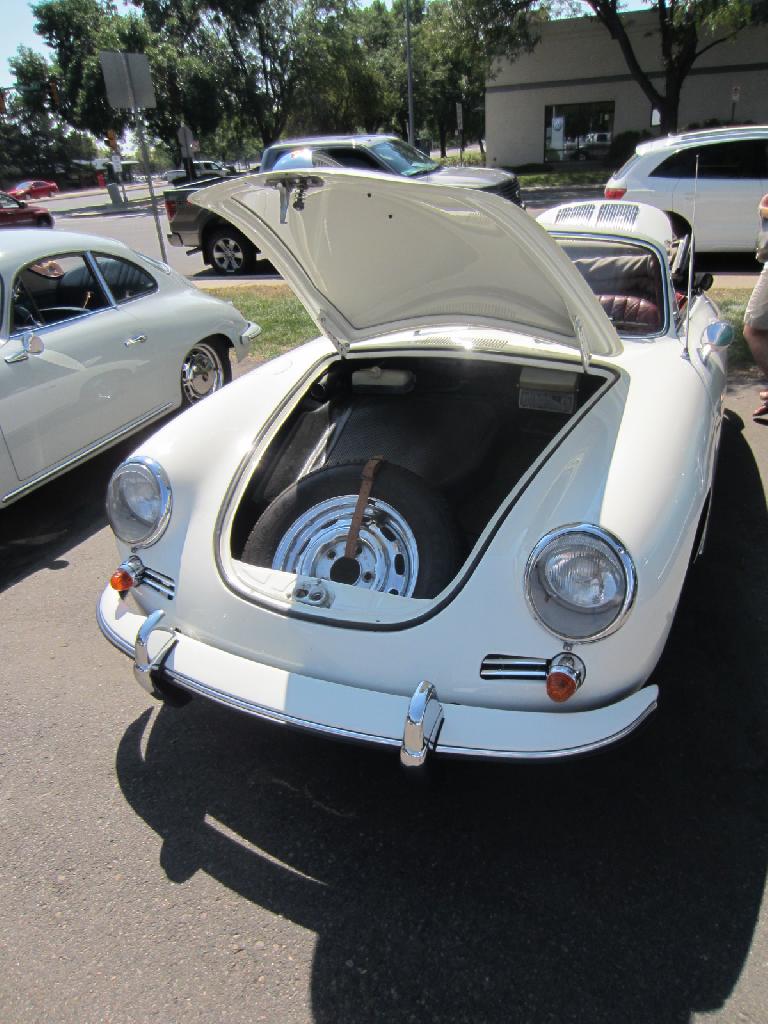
(627,280)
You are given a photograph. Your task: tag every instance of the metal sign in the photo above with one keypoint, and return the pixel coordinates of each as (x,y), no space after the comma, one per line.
(186,140)
(117,163)
(128,80)
(735,94)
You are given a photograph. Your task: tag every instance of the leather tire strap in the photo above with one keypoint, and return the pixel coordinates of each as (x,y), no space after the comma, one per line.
(370,469)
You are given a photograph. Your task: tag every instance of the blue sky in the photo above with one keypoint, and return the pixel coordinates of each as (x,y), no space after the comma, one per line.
(17,31)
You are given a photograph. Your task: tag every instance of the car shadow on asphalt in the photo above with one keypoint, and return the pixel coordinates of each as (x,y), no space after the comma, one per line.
(625,887)
(37,530)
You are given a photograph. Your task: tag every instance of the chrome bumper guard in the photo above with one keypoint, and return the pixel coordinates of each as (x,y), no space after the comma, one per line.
(422,726)
(143,665)
(425,716)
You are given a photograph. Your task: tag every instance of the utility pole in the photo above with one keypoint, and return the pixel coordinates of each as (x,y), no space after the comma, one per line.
(409,65)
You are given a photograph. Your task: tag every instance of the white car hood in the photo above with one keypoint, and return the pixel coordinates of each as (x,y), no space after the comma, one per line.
(369,255)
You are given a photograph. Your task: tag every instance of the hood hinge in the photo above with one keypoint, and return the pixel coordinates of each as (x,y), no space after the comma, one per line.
(581,335)
(300,184)
(342,347)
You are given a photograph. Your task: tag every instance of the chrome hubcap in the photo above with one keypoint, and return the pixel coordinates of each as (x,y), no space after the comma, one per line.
(228,254)
(202,373)
(386,557)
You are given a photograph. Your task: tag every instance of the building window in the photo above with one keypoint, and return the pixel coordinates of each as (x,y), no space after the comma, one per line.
(578,131)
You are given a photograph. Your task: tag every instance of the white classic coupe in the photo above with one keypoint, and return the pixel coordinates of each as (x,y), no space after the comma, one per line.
(458,521)
(96,341)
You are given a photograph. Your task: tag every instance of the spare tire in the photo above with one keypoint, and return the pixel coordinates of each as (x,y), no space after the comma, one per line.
(408,542)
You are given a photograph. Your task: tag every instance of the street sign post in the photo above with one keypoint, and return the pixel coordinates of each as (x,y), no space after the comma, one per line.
(460,127)
(186,144)
(735,97)
(129,87)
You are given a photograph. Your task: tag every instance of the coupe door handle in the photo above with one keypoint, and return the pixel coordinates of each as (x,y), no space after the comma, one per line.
(138,339)
(30,344)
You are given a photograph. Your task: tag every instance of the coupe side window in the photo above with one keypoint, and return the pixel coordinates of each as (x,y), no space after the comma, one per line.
(52,290)
(124,279)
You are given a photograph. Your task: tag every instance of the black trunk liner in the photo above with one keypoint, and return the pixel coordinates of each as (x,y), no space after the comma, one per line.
(442,438)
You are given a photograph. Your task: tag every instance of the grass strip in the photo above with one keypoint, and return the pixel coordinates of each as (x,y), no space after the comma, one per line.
(286,324)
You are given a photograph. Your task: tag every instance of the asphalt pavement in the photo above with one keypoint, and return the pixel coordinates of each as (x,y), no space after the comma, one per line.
(189,865)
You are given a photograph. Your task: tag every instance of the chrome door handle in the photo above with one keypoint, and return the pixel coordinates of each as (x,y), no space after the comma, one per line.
(139,339)
(30,343)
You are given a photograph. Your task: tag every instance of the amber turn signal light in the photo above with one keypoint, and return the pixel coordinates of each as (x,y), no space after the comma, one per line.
(565,676)
(561,686)
(121,580)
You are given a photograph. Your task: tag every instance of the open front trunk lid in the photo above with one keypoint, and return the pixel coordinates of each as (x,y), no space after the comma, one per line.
(369,255)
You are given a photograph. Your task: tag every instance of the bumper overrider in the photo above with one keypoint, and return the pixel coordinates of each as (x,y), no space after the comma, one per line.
(417,725)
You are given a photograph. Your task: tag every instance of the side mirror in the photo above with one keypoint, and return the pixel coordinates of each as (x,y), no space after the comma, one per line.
(716,337)
(703,282)
(23,204)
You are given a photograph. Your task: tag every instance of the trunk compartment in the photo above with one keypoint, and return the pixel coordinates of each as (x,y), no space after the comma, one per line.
(470,426)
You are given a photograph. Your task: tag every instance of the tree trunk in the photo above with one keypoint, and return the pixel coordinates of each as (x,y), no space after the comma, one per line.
(443,133)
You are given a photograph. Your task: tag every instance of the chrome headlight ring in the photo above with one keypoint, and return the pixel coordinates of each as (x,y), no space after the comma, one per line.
(128,524)
(616,549)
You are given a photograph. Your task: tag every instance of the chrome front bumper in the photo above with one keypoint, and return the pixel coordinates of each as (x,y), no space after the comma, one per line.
(417,725)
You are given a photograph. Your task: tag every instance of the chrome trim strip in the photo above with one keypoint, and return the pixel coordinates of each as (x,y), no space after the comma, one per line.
(157,581)
(85,453)
(513,667)
(281,718)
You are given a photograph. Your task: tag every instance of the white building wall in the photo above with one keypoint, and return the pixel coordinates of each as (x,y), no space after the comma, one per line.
(578,62)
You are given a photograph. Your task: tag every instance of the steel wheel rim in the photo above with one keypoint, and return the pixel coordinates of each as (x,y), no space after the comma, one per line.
(228,254)
(387,554)
(201,373)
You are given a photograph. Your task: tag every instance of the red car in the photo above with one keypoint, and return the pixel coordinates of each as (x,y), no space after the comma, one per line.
(34,189)
(15,213)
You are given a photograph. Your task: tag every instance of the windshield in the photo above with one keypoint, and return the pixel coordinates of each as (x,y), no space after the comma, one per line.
(401,158)
(626,278)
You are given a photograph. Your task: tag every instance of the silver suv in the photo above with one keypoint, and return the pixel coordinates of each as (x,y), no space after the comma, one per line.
(389,155)
(732,177)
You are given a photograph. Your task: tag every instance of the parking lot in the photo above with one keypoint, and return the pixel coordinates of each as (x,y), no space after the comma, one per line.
(165,864)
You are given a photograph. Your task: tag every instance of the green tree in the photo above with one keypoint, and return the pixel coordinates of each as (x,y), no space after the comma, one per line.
(454,72)
(34,139)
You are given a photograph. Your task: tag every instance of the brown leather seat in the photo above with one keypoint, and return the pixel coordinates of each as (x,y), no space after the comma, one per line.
(631,309)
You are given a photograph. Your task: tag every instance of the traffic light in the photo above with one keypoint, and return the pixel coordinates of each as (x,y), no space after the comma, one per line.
(111,140)
(53,93)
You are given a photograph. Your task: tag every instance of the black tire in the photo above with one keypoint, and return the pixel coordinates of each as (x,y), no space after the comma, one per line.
(229,252)
(205,370)
(423,509)
(45,222)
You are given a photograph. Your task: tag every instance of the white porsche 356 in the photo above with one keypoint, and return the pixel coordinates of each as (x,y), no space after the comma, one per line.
(461,518)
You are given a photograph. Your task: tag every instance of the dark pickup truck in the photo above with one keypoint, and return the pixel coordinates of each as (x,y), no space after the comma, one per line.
(225,249)
(229,252)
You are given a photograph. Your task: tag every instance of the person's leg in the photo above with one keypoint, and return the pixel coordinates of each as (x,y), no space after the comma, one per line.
(756,332)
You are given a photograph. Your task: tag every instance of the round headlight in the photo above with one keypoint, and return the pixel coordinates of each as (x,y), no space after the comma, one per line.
(580,582)
(139,501)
